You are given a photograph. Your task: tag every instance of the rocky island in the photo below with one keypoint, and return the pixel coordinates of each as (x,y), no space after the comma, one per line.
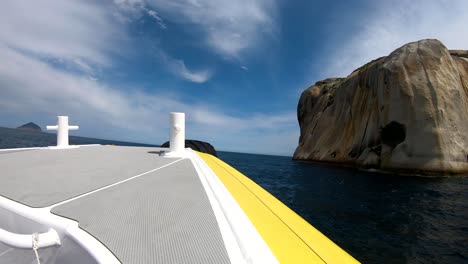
(30,127)
(196,145)
(405,113)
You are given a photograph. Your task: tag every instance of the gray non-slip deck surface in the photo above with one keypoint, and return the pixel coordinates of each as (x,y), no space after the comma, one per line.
(43,177)
(161,217)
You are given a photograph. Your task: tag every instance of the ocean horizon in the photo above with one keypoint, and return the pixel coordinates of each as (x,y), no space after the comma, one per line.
(32,139)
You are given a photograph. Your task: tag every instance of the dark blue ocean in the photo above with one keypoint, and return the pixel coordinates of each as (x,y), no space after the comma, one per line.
(377,218)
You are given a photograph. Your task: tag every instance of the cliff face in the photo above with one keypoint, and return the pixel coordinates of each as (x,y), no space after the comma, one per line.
(406,112)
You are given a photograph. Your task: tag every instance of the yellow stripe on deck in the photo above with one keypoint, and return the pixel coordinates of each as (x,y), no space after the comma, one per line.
(290,238)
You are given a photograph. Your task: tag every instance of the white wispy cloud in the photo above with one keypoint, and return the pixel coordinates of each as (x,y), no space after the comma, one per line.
(178,68)
(230,27)
(51,91)
(135,9)
(64,30)
(130,6)
(156,16)
(83,66)
(392,24)
(256,121)
(32,84)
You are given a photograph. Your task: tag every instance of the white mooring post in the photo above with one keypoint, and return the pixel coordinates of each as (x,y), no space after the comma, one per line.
(177,135)
(62,128)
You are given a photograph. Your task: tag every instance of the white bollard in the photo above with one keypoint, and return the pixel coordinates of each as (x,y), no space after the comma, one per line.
(176,136)
(62,128)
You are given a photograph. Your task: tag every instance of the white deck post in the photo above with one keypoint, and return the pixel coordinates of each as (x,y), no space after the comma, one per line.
(177,135)
(62,128)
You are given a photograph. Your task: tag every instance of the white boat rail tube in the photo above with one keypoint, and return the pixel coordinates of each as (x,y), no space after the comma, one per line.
(47,239)
(62,226)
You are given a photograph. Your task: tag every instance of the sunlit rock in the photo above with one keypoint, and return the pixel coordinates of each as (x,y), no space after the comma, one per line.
(407,112)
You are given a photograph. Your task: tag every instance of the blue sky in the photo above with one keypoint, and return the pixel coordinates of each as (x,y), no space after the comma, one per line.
(237,68)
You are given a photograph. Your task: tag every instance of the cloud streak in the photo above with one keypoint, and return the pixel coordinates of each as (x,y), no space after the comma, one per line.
(135,9)
(159,20)
(35,81)
(391,25)
(62,30)
(139,114)
(230,27)
(178,68)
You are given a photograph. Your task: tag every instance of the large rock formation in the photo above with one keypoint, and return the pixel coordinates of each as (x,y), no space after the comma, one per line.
(407,112)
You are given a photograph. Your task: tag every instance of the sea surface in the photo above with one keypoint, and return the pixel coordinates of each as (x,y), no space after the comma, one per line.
(377,218)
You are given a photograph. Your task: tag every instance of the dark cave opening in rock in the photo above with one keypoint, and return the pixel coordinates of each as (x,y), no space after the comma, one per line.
(393,134)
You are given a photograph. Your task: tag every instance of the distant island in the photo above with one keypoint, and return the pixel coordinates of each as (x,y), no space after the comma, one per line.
(405,113)
(24,138)
(30,127)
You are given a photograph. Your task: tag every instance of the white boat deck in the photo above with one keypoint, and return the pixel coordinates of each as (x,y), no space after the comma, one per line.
(144,208)
(109,204)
